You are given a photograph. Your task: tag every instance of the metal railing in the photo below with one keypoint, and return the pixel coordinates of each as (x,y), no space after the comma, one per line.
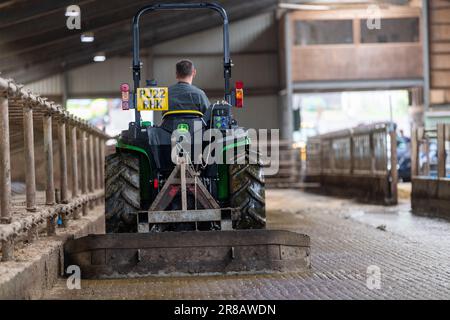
(430,170)
(359,162)
(429,151)
(81,152)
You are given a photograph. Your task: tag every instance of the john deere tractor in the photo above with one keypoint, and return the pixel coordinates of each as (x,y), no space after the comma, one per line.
(137,173)
(167,209)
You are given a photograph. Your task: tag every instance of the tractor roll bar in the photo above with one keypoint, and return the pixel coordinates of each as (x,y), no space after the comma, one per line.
(180,6)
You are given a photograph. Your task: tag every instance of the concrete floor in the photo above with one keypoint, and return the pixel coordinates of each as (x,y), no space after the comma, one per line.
(412,253)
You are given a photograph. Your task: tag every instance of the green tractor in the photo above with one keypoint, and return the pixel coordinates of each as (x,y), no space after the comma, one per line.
(171,209)
(142,165)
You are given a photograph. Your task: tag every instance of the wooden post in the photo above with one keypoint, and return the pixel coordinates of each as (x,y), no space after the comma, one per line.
(5,167)
(96,167)
(5,177)
(64,219)
(427,154)
(51,226)
(102,163)
(84,168)
(414,153)
(393,164)
(372,153)
(441,150)
(33,233)
(332,158)
(48,150)
(7,249)
(352,153)
(321,159)
(30,174)
(91,168)
(63,161)
(50,187)
(74,160)
(97,162)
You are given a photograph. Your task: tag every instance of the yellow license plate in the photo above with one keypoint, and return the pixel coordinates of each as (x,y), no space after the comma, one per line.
(153,99)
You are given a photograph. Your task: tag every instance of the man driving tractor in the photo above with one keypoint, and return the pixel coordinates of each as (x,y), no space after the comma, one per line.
(184,95)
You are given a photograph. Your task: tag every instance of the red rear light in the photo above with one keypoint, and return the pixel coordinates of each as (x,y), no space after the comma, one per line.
(155,184)
(239,94)
(125,89)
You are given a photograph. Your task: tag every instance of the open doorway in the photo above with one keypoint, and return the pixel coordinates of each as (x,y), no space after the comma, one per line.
(105,114)
(322,112)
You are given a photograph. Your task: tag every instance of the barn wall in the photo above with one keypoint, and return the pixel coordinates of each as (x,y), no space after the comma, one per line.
(49,86)
(102,78)
(355,60)
(439,22)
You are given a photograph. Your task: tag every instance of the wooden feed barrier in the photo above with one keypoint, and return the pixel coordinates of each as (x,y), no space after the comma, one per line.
(27,123)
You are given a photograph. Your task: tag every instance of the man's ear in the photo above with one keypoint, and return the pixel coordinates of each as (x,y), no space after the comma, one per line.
(194,73)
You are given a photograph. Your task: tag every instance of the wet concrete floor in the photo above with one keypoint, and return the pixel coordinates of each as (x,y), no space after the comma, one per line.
(358,251)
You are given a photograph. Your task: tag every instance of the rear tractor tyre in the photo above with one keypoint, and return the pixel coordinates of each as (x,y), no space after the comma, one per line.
(247,190)
(122,193)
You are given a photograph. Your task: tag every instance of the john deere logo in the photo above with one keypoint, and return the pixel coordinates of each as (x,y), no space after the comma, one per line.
(183,127)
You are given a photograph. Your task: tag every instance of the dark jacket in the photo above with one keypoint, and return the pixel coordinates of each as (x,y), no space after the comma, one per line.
(184,96)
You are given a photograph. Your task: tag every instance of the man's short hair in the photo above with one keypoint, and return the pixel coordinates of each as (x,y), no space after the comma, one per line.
(185,68)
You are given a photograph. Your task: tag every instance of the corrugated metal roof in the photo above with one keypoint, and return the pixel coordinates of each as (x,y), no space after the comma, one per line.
(35,42)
